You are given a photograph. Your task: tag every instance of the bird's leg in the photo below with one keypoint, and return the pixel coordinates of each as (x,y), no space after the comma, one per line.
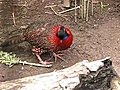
(58,56)
(38,52)
(41,61)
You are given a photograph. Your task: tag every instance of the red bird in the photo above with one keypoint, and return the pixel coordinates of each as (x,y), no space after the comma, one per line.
(44,39)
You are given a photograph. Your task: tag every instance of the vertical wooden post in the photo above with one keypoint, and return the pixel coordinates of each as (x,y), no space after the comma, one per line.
(84,8)
(66,3)
(87,10)
(92,7)
(81,8)
(75,11)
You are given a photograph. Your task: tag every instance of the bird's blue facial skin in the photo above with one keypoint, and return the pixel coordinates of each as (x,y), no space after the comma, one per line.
(62,34)
(65,37)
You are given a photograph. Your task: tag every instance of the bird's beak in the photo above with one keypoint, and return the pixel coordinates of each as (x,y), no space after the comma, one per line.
(61,41)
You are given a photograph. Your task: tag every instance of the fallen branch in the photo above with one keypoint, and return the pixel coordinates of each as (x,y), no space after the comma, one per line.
(78,76)
(58,14)
(69,10)
(50,6)
(34,64)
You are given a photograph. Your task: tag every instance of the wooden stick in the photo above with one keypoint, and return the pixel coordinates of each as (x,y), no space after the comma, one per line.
(54,10)
(81,9)
(84,8)
(87,10)
(50,6)
(69,10)
(92,7)
(75,11)
(57,13)
(35,64)
(13,16)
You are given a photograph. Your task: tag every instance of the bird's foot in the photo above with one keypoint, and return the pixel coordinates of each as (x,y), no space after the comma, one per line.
(37,52)
(58,56)
(43,62)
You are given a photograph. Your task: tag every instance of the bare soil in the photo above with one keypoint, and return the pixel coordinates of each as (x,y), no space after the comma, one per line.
(95,39)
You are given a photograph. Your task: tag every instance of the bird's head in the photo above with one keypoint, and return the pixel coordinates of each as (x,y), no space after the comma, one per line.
(62,34)
(64,37)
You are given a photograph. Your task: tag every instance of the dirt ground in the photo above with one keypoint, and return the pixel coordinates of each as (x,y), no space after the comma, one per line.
(95,39)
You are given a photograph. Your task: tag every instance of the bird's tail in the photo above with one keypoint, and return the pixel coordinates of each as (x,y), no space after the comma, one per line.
(12,40)
(13,35)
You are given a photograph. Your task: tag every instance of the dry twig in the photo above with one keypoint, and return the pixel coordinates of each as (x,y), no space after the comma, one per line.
(14,22)
(69,10)
(58,14)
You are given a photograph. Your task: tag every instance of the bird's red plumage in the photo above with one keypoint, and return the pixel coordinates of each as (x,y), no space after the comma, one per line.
(58,44)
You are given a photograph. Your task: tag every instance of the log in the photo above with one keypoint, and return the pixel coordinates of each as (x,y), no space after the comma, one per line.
(82,75)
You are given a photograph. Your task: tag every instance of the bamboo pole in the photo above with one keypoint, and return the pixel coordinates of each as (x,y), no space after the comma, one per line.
(75,11)
(87,10)
(92,7)
(82,9)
